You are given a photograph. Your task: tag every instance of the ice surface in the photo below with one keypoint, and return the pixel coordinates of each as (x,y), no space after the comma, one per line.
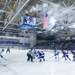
(16,64)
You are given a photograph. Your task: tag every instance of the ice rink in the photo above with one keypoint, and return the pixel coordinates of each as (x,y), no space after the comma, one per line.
(16,64)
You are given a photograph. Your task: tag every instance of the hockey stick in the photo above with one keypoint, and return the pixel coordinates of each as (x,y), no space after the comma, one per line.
(36,58)
(5,59)
(52,56)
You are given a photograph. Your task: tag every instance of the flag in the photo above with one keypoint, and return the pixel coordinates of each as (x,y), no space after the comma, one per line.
(45,21)
(21,21)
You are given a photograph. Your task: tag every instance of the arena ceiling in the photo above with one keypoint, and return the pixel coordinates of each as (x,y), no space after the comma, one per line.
(61,14)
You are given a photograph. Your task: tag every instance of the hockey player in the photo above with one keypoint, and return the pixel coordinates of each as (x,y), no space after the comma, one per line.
(1,51)
(65,55)
(56,54)
(35,53)
(41,55)
(8,50)
(73,52)
(30,55)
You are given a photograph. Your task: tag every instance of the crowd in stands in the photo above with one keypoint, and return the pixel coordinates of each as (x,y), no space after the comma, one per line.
(60,45)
